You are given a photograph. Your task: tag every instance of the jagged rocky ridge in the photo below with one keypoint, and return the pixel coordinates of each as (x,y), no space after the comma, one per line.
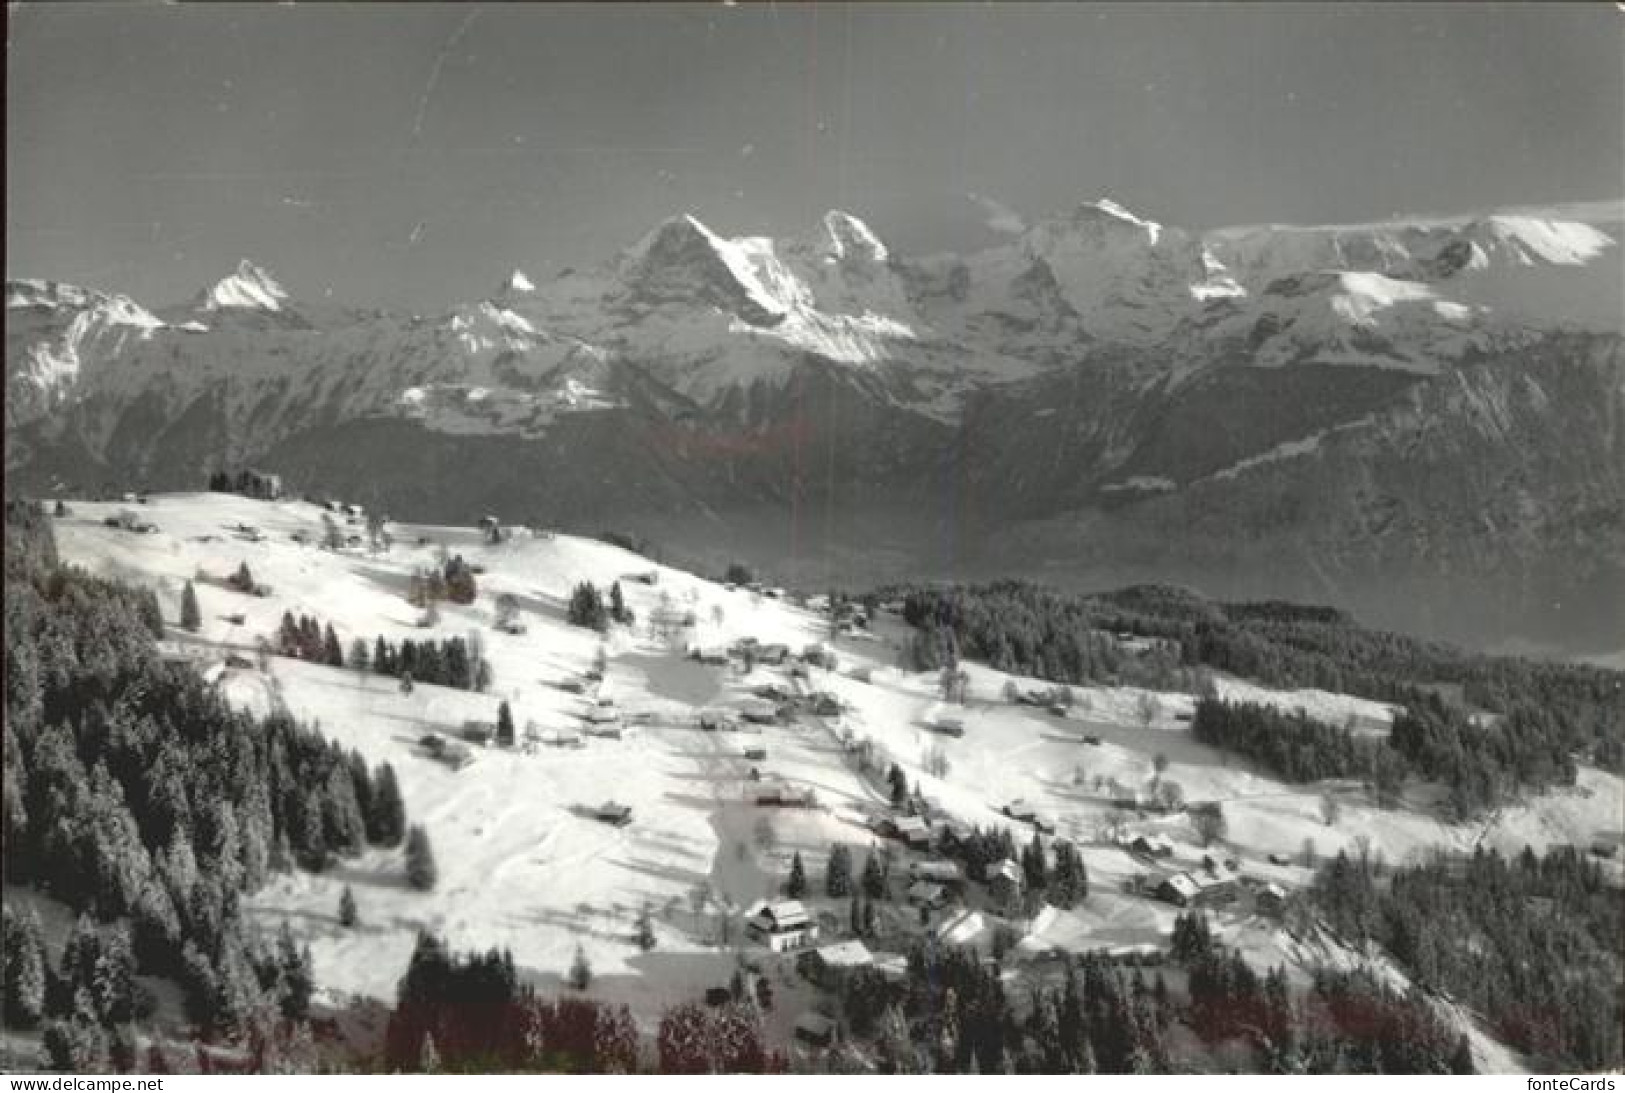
(1421,417)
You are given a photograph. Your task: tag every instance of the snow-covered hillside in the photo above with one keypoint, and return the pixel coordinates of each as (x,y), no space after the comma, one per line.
(525,865)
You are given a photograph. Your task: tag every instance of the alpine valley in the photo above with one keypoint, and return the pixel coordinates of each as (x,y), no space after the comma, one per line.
(1422,420)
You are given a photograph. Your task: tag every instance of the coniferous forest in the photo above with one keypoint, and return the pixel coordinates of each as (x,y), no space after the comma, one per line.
(1531,942)
(450,662)
(136,798)
(1488,727)
(950,1014)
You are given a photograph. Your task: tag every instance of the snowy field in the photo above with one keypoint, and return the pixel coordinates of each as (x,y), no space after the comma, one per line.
(523,864)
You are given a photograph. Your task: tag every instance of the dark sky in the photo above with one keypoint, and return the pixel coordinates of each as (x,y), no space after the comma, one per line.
(411,155)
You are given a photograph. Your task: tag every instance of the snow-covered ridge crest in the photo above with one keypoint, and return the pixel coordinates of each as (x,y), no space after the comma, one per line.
(1099,223)
(29,292)
(250,288)
(1531,239)
(103,308)
(1425,248)
(1152,229)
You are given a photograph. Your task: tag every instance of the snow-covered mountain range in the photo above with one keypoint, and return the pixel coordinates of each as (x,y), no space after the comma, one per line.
(1091,372)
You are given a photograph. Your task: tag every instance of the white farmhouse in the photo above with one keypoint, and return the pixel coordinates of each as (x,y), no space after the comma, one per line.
(781,926)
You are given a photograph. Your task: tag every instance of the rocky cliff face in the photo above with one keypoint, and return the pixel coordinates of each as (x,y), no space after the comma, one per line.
(1419,419)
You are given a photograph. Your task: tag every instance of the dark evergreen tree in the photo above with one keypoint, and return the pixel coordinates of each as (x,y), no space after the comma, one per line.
(505,731)
(898,781)
(294,971)
(580,971)
(421,872)
(796,886)
(358,658)
(874,878)
(1069,882)
(191,616)
(586,607)
(838,872)
(1035,864)
(332,651)
(386,816)
(77,1045)
(684,1042)
(458,577)
(24,968)
(1209,821)
(348,916)
(736,1039)
(1192,940)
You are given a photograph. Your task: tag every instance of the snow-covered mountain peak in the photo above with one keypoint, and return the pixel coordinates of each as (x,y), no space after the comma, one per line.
(850,239)
(670,234)
(1129,280)
(249,288)
(100,308)
(123,311)
(1109,232)
(518,284)
(682,260)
